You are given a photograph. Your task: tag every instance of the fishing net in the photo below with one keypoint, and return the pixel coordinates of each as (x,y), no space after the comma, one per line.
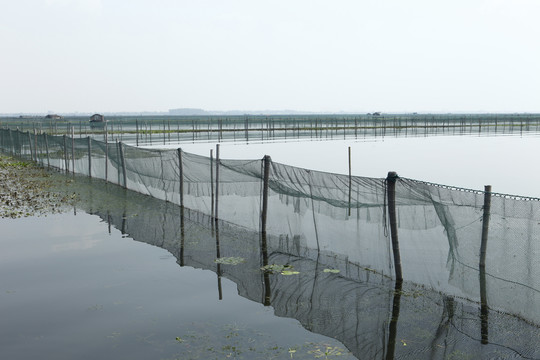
(313,213)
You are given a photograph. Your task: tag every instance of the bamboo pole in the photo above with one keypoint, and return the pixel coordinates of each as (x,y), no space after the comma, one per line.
(89,157)
(181,173)
(350,181)
(30,146)
(217,182)
(137,132)
(484,308)
(35,146)
(266,174)
(123,162)
(47,150)
(72,150)
(485,226)
(65,154)
(212,181)
(106,153)
(391,193)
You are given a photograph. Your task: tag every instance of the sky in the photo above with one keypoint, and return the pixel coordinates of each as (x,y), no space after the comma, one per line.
(306,55)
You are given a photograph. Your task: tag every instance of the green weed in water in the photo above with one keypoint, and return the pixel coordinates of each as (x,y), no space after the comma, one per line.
(230,260)
(333,271)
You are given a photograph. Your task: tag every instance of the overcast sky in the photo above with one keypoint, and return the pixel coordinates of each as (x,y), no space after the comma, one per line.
(307,55)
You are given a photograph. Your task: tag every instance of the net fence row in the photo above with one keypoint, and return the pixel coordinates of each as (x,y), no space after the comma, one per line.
(309,212)
(354,306)
(176,129)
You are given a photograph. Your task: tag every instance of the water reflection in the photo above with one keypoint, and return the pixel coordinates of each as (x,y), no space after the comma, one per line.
(371,315)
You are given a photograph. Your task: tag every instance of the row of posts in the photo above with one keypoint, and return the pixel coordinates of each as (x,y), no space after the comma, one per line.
(390,183)
(391,180)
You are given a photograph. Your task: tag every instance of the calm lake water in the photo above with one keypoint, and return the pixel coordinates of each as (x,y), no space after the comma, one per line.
(505,162)
(127,276)
(72,290)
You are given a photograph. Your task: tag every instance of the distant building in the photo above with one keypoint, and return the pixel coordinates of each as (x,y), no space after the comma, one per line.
(54,116)
(97,118)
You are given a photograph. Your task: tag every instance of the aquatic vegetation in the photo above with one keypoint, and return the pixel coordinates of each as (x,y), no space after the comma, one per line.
(235,341)
(319,352)
(279,269)
(288,272)
(27,190)
(333,271)
(230,260)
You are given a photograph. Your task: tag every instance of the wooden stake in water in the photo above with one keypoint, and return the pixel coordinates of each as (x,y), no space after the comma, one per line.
(484,309)
(181,172)
(485,226)
(106,154)
(137,132)
(123,163)
(72,150)
(30,145)
(350,181)
(47,150)
(391,193)
(65,154)
(89,156)
(217,181)
(264,247)
(212,181)
(266,174)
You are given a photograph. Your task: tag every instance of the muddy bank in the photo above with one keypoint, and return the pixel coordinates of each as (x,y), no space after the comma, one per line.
(29,190)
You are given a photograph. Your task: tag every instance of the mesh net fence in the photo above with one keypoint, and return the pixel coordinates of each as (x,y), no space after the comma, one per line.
(350,303)
(311,212)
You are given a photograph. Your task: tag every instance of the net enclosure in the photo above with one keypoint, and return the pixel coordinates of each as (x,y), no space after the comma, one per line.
(464,243)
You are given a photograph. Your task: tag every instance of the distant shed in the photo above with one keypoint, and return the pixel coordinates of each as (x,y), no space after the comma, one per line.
(97,118)
(53,116)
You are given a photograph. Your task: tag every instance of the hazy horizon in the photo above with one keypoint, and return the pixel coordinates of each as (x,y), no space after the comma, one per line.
(112,56)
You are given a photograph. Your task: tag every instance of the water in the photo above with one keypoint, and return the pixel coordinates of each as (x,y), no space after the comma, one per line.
(133,277)
(72,290)
(505,162)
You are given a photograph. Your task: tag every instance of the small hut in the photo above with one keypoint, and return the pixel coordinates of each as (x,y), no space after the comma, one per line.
(54,117)
(97,121)
(96,118)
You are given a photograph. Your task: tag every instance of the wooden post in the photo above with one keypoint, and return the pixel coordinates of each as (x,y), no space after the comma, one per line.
(266,174)
(484,309)
(66,162)
(391,193)
(212,181)
(30,145)
(350,181)
(106,154)
(35,145)
(217,181)
(137,132)
(89,157)
(72,150)
(485,226)
(47,150)
(123,162)
(181,172)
